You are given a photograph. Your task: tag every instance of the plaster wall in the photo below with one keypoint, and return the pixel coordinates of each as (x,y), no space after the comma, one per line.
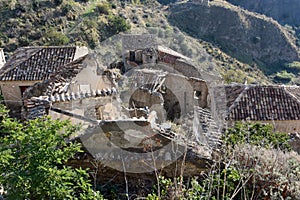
(80,51)
(88,76)
(2,58)
(288,126)
(12,93)
(179,94)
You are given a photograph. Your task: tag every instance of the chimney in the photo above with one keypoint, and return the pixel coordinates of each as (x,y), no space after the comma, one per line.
(2,58)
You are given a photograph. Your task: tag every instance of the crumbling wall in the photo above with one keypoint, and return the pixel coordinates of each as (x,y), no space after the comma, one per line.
(187,69)
(110,108)
(179,94)
(147,100)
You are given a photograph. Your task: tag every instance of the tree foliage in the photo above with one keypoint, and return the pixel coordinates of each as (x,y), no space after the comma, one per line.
(33,157)
(117,24)
(258,134)
(56,38)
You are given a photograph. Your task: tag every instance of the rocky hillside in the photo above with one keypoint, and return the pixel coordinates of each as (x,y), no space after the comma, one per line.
(285,12)
(245,35)
(57,22)
(238,44)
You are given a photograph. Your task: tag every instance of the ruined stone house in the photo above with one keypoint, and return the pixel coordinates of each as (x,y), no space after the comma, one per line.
(163,56)
(154,88)
(180,70)
(173,95)
(127,114)
(29,65)
(275,104)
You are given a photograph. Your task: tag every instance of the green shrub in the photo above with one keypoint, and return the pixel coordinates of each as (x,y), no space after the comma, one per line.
(248,169)
(117,24)
(56,38)
(66,8)
(256,134)
(294,66)
(113,6)
(284,76)
(237,76)
(58,2)
(247,172)
(162,189)
(102,8)
(32,158)
(250,172)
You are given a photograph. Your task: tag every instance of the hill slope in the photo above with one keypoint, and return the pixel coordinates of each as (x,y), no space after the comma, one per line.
(285,12)
(89,22)
(244,35)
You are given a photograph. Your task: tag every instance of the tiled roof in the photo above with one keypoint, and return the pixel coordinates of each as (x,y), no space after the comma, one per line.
(294,90)
(57,89)
(169,51)
(262,103)
(36,63)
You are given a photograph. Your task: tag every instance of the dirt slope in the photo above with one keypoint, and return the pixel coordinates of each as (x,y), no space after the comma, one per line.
(243,34)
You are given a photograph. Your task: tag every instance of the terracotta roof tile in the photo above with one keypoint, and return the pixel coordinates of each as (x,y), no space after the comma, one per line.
(36,63)
(259,103)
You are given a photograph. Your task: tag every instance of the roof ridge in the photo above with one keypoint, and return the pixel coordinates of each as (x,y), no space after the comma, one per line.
(291,94)
(246,88)
(71,65)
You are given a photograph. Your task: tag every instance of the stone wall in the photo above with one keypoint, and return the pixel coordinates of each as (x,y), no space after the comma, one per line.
(110,109)
(179,93)
(89,77)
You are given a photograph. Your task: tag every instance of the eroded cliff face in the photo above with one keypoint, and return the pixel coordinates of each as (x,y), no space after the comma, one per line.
(284,11)
(243,34)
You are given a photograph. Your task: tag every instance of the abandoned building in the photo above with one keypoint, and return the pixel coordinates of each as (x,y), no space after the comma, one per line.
(29,65)
(68,90)
(129,114)
(160,55)
(275,104)
(177,99)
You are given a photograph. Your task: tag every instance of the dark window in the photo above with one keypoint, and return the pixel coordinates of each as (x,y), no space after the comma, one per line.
(22,89)
(131,56)
(197,94)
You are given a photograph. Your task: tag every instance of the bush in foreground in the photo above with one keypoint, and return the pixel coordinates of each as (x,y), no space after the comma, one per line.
(255,165)
(32,158)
